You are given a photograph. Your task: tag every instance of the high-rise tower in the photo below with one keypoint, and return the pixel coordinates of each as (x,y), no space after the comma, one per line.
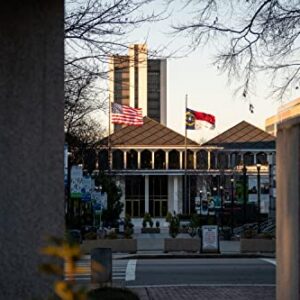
(137,81)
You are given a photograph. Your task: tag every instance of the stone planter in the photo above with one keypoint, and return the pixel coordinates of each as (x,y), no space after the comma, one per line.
(116,245)
(257,245)
(150,230)
(181,244)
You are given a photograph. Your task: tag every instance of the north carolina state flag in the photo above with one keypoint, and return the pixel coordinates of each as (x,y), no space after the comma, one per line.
(197,119)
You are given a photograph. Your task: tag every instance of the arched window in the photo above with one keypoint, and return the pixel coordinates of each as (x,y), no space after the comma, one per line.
(131,160)
(146,159)
(190,159)
(213,160)
(249,159)
(202,160)
(103,159)
(174,160)
(222,160)
(118,160)
(235,158)
(89,160)
(160,159)
(261,158)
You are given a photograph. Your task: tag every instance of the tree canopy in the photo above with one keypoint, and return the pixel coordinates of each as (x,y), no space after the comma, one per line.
(250,36)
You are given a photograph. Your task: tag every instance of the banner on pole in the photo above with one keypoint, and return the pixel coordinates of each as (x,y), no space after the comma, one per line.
(76,181)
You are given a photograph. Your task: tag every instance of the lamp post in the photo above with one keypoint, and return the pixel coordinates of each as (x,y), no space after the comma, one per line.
(221,194)
(244,194)
(231,208)
(258,197)
(200,195)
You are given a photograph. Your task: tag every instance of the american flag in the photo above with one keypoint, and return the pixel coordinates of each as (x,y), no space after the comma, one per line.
(123,114)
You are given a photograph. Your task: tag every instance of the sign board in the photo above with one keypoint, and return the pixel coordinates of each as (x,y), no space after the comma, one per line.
(210,239)
(86,188)
(76,181)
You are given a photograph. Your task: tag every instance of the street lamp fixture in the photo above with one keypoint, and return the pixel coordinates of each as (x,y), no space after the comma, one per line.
(221,194)
(244,193)
(231,208)
(258,166)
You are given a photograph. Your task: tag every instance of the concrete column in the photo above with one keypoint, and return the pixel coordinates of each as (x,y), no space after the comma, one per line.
(31,142)
(181,160)
(175,192)
(97,160)
(229,161)
(125,158)
(208,160)
(288,210)
(167,159)
(254,158)
(153,157)
(139,159)
(146,193)
(195,159)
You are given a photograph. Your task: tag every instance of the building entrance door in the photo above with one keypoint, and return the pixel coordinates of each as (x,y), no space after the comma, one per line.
(133,208)
(159,208)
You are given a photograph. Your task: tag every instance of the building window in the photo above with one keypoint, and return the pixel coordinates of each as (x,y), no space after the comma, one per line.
(160,160)
(131,159)
(202,160)
(146,159)
(174,160)
(261,158)
(249,159)
(222,161)
(103,160)
(118,160)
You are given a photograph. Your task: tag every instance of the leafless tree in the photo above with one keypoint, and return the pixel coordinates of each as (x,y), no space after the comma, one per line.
(94,30)
(250,36)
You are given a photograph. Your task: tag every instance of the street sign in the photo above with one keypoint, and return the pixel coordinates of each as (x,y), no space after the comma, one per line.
(210,239)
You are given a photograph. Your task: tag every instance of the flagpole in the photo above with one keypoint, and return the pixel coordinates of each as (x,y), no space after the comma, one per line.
(185,160)
(108,140)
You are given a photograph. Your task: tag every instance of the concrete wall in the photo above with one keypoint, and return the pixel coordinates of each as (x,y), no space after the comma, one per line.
(288,210)
(31,142)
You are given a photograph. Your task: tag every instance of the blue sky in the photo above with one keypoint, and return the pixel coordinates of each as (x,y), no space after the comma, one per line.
(207,90)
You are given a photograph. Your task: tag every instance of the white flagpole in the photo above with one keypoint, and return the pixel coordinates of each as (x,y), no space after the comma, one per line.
(108,139)
(185,159)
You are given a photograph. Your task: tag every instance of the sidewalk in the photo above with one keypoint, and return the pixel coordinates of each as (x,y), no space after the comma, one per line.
(206,293)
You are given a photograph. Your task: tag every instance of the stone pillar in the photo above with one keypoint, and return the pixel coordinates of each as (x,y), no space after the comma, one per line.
(125,159)
(180,160)
(146,193)
(153,158)
(175,192)
(208,160)
(31,142)
(139,159)
(167,159)
(195,159)
(254,158)
(288,210)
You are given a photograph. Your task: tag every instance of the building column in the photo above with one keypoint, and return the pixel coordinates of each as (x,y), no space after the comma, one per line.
(181,160)
(195,159)
(208,160)
(175,193)
(254,158)
(288,210)
(146,193)
(125,158)
(229,161)
(153,157)
(32,143)
(139,159)
(167,159)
